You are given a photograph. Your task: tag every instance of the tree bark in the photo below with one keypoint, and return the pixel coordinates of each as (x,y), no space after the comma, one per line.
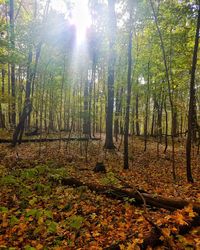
(137,115)
(119,194)
(110,82)
(12,40)
(192,102)
(128,100)
(146,110)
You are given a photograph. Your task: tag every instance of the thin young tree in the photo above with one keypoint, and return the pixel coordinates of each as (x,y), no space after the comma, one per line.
(128,97)
(12,41)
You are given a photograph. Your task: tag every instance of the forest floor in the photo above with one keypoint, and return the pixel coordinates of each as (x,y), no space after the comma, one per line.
(36,213)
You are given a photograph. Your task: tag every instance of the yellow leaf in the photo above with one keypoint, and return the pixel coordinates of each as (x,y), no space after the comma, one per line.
(39,247)
(189,210)
(140,219)
(166,232)
(40,220)
(122,247)
(122,234)
(180,219)
(95,234)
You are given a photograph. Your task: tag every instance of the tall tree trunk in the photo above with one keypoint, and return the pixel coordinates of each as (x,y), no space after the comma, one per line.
(3,74)
(9,102)
(153,118)
(94,94)
(159,120)
(118,112)
(137,115)
(61,99)
(146,111)
(86,119)
(128,100)
(51,109)
(192,102)
(111,69)
(2,115)
(166,126)
(12,40)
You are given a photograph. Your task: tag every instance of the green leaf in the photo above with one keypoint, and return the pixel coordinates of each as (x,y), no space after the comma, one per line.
(32,212)
(13,220)
(4,209)
(33,201)
(76,221)
(48,214)
(29,248)
(52,228)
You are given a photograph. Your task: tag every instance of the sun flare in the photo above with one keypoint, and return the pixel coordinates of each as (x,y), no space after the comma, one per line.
(80,17)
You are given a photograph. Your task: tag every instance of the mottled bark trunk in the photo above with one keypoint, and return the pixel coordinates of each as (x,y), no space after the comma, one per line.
(192,102)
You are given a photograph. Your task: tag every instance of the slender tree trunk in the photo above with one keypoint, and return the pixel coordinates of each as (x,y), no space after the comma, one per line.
(2,116)
(3,74)
(153,118)
(137,115)
(111,69)
(12,40)
(175,123)
(146,111)
(192,102)
(159,120)
(166,127)
(94,95)
(51,108)
(86,119)
(116,121)
(118,112)
(61,100)
(133,121)
(128,101)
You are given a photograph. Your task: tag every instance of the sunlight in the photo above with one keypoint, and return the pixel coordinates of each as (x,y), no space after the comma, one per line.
(80,17)
(59,5)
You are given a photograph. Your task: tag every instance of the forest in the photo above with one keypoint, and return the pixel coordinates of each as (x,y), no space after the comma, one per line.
(99,124)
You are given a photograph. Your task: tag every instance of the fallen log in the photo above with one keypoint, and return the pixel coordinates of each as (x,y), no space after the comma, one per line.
(36,140)
(134,197)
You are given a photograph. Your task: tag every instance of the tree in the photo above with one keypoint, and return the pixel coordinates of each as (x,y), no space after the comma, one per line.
(110,82)
(128,98)
(192,122)
(12,41)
